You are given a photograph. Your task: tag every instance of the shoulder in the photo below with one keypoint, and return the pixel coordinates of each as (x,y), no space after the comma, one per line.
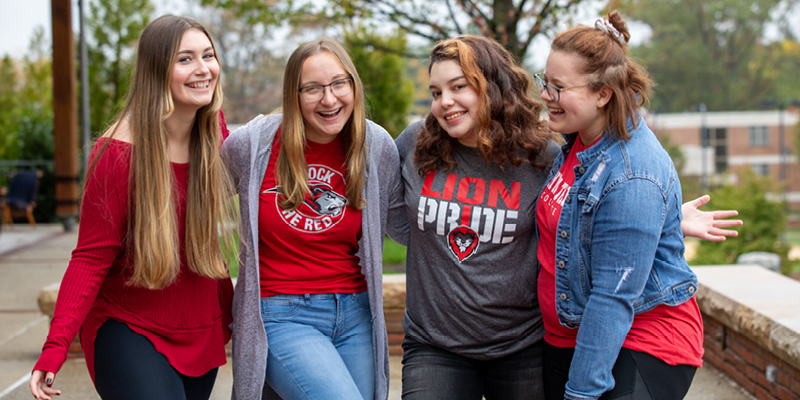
(252,131)
(120,130)
(407,140)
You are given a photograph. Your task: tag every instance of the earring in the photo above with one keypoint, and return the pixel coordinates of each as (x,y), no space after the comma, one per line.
(599,103)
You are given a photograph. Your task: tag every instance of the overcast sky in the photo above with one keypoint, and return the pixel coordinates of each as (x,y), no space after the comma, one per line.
(18,18)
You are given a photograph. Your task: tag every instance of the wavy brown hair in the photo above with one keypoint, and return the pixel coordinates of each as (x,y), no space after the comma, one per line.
(508,125)
(152,233)
(607,62)
(291,170)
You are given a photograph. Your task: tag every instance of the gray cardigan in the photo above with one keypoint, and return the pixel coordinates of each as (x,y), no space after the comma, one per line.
(246,153)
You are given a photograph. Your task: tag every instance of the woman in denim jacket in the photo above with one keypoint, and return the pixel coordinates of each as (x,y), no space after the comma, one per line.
(616,294)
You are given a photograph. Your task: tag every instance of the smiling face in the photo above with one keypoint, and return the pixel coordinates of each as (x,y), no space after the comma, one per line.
(195,74)
(579,110)
(455,103)
(324,119)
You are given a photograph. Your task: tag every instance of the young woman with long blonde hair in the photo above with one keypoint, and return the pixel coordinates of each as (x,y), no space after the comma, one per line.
(147,286)
(316,185)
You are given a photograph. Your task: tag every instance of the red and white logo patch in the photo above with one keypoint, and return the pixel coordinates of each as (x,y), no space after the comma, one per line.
(463,242)
(323,207)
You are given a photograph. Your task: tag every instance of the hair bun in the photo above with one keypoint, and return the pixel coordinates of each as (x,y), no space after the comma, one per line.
(609,29)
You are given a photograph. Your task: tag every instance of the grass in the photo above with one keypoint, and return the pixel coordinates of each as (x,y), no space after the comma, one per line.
(393,253)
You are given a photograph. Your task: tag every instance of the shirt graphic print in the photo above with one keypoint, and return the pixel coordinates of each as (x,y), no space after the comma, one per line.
(469,211)
(323,207)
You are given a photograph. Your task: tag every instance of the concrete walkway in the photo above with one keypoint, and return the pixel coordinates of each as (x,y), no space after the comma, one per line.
(33,258)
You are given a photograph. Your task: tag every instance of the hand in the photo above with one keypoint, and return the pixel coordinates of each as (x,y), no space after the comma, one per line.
(707,225)
(41,385)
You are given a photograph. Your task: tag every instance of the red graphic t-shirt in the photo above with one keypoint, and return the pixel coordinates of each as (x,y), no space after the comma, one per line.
(672,334)
(311,249)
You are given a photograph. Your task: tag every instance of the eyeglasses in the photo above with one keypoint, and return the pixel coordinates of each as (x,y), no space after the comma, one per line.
(553,91)
(339,88)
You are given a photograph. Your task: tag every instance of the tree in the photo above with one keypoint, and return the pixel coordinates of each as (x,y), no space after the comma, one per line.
(764,221)
(115,27)
(389,94)
(515,23)
(26,116)
(252,77)
(711,52)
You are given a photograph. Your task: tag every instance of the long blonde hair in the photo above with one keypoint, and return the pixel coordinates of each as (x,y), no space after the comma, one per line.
(291,170)
(153,229)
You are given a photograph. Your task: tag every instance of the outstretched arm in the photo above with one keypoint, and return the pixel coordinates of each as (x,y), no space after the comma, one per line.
(709,225)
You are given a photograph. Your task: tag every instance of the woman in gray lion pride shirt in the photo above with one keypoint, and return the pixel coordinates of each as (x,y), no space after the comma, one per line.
(472,172)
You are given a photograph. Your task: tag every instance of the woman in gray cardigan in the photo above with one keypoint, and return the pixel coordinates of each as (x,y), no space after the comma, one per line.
(311,241)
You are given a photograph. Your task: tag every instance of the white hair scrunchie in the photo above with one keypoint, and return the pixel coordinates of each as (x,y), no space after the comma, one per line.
(606,27)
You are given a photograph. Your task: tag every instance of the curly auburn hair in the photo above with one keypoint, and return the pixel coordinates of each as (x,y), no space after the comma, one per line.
(508,127)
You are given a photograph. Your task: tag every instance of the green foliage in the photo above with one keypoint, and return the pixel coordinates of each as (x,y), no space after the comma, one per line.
(515,23)
(715,52)
(393,253)
(26,117)
(764,221)
(388,92)
(115,27)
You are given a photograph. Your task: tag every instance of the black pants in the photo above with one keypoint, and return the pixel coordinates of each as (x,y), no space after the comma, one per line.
(432,373)
(128,367)
(637,376)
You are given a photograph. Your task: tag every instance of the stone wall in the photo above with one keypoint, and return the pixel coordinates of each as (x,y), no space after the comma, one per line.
(751,321)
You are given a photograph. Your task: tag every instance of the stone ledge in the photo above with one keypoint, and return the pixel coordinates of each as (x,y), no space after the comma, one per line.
(759,304)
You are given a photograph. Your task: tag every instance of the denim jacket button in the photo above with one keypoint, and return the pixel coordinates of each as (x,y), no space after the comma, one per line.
(564,234)
(581,170)
(691,289)
(570,325)
(569,198)
(561,264)
(563,296)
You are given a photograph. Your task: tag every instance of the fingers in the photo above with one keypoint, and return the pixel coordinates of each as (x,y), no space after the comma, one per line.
(700,201)
(41,383)
(727,223)
(724,214)
(36,377)
(723,232)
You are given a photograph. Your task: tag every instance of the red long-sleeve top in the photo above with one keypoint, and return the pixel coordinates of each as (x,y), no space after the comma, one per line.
(187,321)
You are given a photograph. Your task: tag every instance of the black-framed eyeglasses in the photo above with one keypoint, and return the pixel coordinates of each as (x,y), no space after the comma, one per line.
(339,88)
(553,91)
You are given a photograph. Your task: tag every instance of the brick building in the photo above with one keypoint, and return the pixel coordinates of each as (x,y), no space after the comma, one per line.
(736,141)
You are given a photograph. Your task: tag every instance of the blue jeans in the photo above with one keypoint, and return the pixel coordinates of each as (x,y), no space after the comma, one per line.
(432,373)
(320,346)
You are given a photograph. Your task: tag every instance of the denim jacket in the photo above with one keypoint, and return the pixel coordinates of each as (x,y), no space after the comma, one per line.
(619,249)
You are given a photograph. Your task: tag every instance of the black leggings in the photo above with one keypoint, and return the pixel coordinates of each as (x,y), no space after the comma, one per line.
(128,367)
(637,376)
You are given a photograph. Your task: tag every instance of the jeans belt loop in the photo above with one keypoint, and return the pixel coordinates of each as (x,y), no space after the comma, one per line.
(307,298)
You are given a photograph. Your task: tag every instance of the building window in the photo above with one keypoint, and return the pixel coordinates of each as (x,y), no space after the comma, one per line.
(758,136)
(719,141)
(760,169)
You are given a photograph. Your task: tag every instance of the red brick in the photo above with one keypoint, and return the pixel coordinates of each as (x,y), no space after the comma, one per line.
(758,377)
(785,394)
(739,378)
(783,378)
(395,350)
(763,394)
(737,360)
(713,358)
(795,386)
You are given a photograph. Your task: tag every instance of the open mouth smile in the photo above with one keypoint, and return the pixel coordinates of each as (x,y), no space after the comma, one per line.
(329,114)
(454,115)
(199,85)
